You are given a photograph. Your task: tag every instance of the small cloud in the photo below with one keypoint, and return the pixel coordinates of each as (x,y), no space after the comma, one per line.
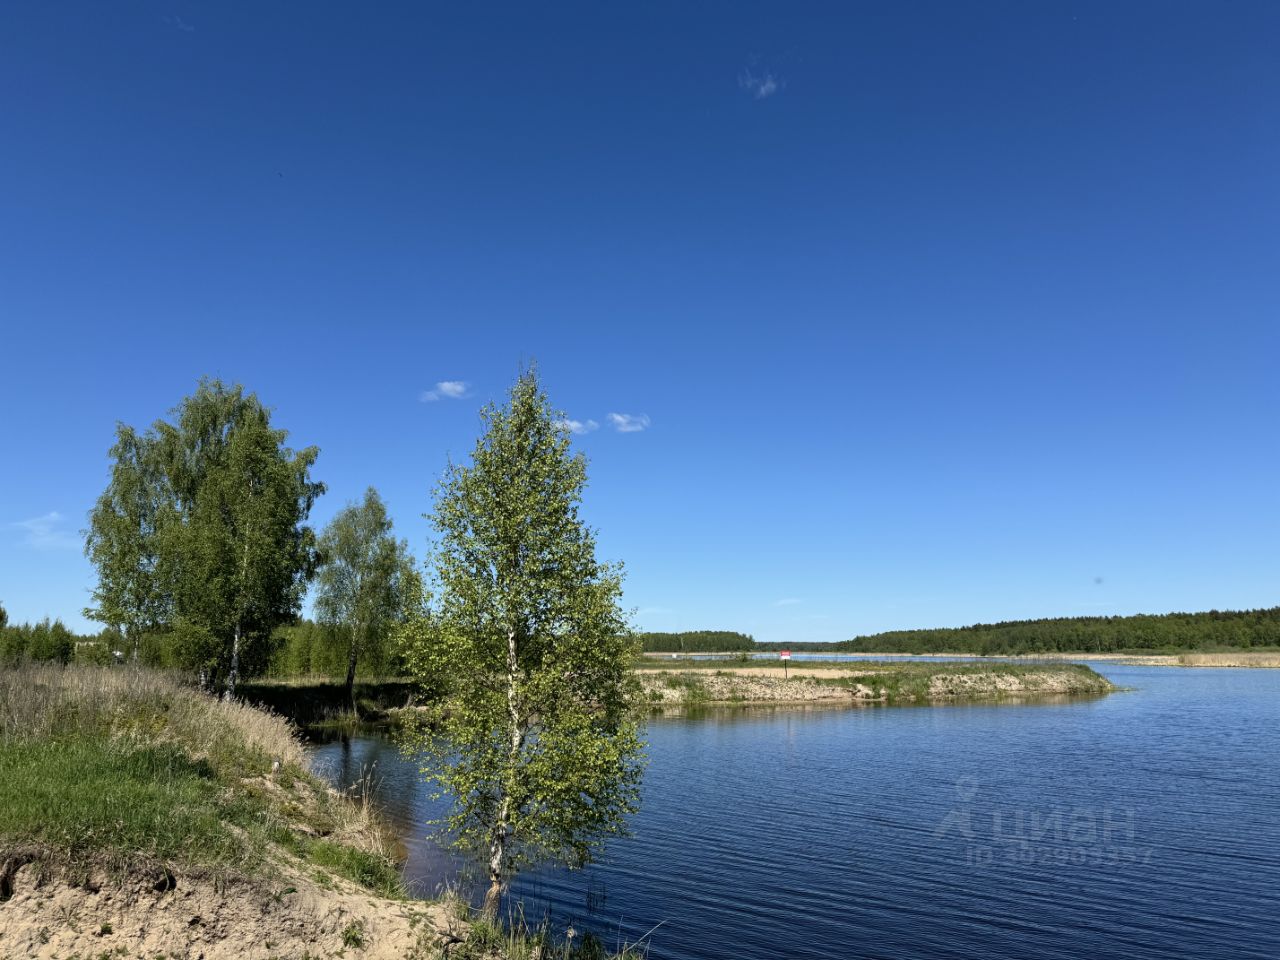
(577,426)
(47,532)
(760,86)
(629,422)
(174,20)
(788,602)
(445,389)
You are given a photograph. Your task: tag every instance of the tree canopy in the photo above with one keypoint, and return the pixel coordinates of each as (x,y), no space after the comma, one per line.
(201,534)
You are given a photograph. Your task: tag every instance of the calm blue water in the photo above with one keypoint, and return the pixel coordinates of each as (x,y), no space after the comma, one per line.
(1144,824)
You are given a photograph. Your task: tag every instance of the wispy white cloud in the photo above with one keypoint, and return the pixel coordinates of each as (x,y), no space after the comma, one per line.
(445,389)
(629,422)
(174,20)
(788,602)
(48,532)
(760,86)
(577,426)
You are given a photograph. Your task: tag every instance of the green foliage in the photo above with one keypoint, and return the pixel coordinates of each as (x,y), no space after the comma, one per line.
(535,738)
(696,641)
(200,540)
(359,587)
(46,640)
(307,649)
(123,539)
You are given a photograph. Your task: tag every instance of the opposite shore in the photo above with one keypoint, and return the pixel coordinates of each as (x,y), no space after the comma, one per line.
(1232,658)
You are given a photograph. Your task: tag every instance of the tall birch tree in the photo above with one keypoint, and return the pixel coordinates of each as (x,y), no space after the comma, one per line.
(535,737)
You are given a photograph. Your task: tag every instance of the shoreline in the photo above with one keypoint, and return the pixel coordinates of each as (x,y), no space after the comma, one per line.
(1243,659)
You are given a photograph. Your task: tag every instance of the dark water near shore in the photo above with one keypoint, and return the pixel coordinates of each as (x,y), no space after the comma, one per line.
(1144,824)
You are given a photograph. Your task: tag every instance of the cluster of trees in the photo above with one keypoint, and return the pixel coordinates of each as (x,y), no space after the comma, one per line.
(1171,632)
(309,648)
(203,553)
(203,550)
(49,640)
(696,641)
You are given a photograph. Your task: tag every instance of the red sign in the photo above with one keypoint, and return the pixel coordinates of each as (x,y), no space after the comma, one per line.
(784,654)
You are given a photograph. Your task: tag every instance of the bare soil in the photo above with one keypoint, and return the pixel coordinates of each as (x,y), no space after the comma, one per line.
(47,913)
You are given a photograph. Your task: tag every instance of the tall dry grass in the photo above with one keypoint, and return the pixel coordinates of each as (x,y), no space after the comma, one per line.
(46,701)
(1230,659)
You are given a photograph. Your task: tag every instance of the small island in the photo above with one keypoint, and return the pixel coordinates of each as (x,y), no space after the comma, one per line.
(693,683)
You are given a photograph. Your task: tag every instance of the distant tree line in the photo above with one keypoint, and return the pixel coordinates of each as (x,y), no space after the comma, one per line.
(52,640)
(1173,632)
(1169,632)
(696,641)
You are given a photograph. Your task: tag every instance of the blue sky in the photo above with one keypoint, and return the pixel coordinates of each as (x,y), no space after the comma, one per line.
(931,313)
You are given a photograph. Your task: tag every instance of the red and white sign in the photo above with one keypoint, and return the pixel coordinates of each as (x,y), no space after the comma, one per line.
(784,654)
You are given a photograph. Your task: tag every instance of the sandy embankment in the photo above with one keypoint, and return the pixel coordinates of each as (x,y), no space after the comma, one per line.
(744,685)
(194,914)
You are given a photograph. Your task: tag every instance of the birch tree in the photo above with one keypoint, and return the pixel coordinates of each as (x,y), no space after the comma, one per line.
(201,533)
(122,541)
(359,587)
(535,736)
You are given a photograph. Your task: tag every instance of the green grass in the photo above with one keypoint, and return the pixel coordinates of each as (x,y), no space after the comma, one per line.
(155,801)
(694,692)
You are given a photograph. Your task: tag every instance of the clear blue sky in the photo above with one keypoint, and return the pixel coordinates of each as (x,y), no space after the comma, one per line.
(937,312)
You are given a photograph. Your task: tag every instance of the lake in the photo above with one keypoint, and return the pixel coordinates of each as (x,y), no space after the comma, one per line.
(1144,824)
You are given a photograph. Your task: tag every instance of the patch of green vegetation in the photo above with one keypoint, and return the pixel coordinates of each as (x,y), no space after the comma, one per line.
(371,870)
(692,690)
(353,936)
(914,682)
(123,797)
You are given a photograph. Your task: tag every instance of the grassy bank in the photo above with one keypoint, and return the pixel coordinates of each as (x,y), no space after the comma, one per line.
(141,818)
(131,766)
(866,683)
